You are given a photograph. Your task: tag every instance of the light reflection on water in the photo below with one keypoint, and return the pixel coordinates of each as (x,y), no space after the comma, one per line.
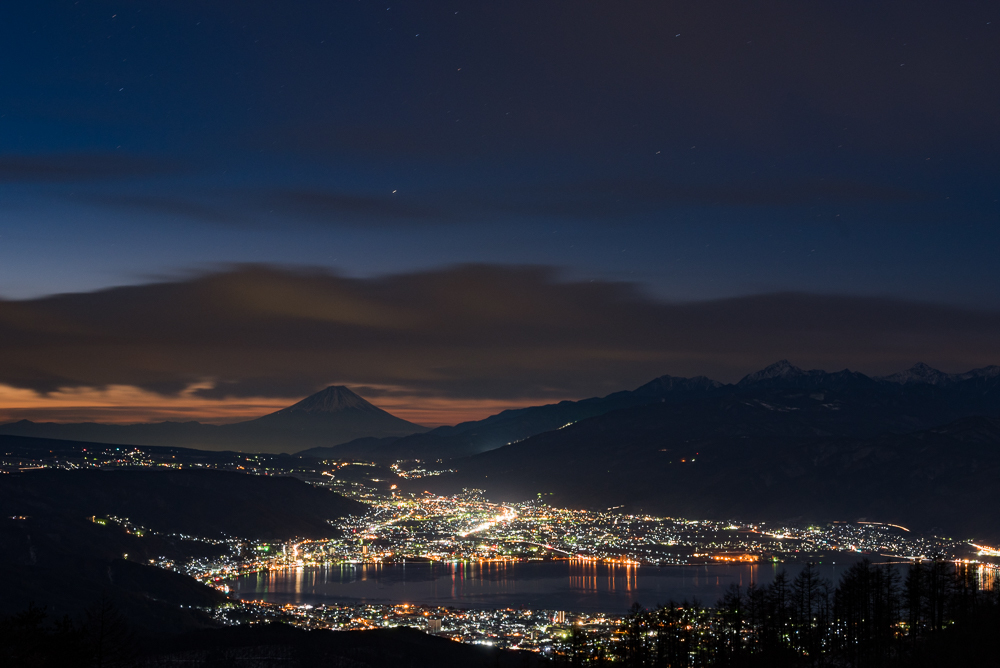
(555,585)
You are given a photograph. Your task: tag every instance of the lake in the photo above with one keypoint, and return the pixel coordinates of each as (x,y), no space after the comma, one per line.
(549,585)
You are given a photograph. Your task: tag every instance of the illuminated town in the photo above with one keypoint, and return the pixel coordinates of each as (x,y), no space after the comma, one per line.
(468,528)
(403,527)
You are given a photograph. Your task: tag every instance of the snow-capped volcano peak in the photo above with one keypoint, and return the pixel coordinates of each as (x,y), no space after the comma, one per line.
(333,399)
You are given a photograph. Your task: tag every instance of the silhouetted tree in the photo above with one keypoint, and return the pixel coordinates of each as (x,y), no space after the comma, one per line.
(732,625)
(867,606)
(946,610)
(632,649)
(915,596)
(108,638)
(937,587)
(810,614)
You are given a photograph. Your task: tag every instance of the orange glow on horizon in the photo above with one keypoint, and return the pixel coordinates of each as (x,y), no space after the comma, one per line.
(437,411)
(122,404)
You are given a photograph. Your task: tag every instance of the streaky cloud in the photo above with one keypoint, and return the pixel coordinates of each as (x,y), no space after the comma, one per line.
(468,331)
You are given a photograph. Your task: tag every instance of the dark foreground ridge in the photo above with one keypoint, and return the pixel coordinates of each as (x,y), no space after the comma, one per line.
(875,616)
(209,504)
(278,644)
(61,547)
(28,642)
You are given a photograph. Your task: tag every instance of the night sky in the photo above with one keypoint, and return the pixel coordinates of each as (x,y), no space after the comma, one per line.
(455,207)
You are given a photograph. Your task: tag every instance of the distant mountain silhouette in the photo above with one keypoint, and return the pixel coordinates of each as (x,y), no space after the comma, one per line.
(336,422)
(921,373)
(919,398)
(331,416)
(334,399)
(334,415)
(784,374)
(469,438)
(781,443)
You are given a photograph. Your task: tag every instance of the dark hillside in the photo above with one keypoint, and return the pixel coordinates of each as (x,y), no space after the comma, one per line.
(66,563)
(283,645)
(770,457)
(918,398)
(57,557)
(470,438)
(192,502)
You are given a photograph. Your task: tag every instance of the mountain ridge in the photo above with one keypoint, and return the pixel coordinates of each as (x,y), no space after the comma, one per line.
(922,373)
(513,425)
(328,417)
(336,422)
(333,399)
(769,456)
(496,431)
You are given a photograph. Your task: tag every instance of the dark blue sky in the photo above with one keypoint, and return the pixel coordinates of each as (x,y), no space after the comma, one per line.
(702,149)
(697,150)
